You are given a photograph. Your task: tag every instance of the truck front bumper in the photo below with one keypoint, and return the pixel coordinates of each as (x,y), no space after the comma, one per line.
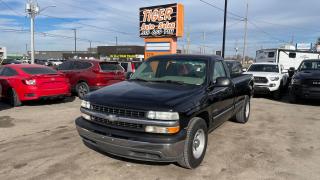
(305,91)
(127,144)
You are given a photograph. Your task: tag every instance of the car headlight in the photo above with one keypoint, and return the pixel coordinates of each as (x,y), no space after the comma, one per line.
(274,78)
(85,104)
(163,115)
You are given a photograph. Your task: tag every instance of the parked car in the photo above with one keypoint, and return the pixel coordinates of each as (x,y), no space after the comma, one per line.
(9,61)
(235,67)
(90,75)
(268,78)
(166,110)
(306,81)
(130,67)
(54,62)
(25,82)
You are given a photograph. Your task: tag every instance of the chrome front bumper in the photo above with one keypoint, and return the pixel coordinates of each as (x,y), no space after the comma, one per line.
(125,147)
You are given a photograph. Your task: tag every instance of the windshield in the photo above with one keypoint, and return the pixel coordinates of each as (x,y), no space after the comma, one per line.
(184,71)
(310,66)
(264,68)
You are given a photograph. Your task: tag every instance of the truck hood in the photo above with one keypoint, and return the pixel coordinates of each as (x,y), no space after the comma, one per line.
(143,95)
(263,74)
(307,75)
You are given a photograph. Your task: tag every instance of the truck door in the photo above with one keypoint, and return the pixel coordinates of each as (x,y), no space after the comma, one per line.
(220,98)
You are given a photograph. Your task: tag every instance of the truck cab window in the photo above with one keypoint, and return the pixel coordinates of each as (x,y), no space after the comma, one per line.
(218,71)
(271,54)
(292,55)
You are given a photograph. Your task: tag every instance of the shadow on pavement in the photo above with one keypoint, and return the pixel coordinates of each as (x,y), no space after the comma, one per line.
(49,101)
(285,99)
(4,106)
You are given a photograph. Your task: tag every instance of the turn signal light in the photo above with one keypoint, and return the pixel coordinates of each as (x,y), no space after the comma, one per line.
(162,130)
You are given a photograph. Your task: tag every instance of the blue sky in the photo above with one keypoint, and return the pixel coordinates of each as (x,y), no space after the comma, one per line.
(271,23)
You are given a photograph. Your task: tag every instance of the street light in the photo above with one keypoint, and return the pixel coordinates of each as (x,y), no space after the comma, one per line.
(33,9)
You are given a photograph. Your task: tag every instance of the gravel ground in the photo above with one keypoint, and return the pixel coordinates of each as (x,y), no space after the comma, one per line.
(280,141)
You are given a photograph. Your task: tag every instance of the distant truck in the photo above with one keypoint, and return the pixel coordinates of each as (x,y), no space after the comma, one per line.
(166,110)
(286,57)
(305,83)
(268,78)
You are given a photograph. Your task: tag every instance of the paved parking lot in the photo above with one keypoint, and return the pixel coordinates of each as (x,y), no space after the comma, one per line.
(280,141)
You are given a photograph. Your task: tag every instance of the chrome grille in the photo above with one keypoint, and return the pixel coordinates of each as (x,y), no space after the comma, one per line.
(119,111)
(260,80)
(117,124)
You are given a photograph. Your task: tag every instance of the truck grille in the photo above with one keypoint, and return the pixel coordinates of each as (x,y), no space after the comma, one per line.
(260,80)
(119,112)
(117,124)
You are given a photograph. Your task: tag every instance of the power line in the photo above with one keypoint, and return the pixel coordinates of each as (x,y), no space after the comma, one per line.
(89,25)
(239,18)
(44,34)
(263,31)
(11,9)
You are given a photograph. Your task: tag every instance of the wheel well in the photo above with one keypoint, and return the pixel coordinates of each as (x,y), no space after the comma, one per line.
(205,116)
(81,81)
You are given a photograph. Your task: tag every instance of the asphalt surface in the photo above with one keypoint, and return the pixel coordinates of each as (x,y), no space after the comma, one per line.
(280,141)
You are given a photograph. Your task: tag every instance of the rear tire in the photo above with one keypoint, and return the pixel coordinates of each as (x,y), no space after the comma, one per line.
(13,98)
(195,145)
(82,89)
(244,114)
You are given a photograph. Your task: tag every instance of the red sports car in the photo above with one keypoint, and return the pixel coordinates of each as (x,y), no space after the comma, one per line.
(24,82)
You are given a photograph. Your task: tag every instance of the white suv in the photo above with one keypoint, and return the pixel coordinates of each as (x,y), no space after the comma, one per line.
(268,78)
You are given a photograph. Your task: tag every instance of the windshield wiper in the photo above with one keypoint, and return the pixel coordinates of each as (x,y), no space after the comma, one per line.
(170,81)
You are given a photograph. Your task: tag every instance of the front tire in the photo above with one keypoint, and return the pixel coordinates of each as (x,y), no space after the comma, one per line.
(195,145)
(82,89)
(293,98)
(244,114)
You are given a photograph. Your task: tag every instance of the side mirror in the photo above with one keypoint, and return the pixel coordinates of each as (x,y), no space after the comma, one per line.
(129,75)
(223,82)
(291,71)
(244,70)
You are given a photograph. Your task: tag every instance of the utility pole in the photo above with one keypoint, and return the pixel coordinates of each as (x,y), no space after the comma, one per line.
(32,9)
(224,27)
(116,40)
(75,40)
(188,42)
(204,42)
(245,35)
(90,46)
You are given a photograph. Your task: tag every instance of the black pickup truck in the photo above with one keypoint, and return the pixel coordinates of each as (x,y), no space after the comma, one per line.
(165,111)
(305,83)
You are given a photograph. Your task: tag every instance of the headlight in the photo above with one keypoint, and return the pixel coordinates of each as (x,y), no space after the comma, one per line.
(85,104)
(274,78)
(163,115)
(296,81)
(162,130)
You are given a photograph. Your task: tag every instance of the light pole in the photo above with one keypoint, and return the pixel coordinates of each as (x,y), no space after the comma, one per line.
(33,9)
(224,27)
